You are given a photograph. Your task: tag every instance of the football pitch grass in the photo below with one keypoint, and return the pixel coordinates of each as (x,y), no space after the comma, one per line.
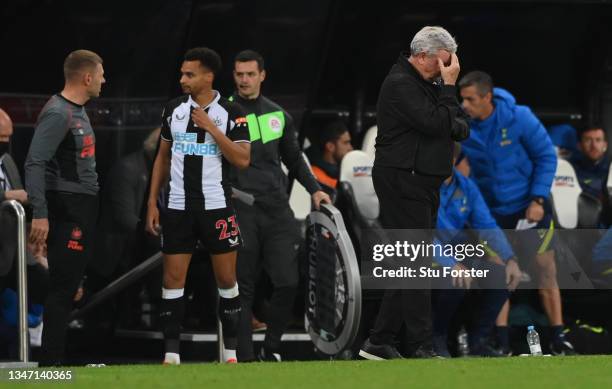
(517,372)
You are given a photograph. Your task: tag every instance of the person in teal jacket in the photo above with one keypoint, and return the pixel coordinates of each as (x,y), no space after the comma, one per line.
(461,207)
(513,161)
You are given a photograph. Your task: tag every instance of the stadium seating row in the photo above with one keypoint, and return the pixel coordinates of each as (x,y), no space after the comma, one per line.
(573,208)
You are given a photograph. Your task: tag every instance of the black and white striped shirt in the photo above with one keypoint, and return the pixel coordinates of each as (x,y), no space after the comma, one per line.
(199,175)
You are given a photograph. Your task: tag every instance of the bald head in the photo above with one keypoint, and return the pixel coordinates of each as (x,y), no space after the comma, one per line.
(6,126)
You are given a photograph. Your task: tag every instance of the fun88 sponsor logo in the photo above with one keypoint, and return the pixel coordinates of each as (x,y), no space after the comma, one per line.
(186,144)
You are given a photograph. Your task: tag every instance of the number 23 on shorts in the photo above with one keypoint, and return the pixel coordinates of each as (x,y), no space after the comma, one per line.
(223,224)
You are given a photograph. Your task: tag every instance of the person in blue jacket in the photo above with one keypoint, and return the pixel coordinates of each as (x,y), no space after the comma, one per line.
(592,163)
(461,207)
(592,166)
(513,161)
(9,320)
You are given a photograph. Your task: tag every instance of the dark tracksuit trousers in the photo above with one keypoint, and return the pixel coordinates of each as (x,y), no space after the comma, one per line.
(270,240)
(72,219)
(407,201)
(493,295)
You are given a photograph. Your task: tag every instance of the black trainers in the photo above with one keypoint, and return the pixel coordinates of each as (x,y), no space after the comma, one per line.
(562,347)
(486,350)
(425,352)
(440,347)
(375,352)
(505,352)
(268,356)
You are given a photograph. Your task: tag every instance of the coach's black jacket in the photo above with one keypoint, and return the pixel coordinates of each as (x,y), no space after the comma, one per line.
(417,122)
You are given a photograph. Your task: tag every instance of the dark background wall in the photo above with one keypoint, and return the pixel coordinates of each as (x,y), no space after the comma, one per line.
(323,55)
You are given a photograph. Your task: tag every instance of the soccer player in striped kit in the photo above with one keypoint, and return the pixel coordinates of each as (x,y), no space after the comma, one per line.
(202,134)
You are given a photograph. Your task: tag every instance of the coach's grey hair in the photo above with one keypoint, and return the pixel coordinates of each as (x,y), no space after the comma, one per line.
(430,39)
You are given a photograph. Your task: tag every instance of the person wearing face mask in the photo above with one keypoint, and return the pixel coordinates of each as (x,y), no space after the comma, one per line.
(11,188)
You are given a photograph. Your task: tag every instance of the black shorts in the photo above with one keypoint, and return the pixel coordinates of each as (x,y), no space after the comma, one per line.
(216,229)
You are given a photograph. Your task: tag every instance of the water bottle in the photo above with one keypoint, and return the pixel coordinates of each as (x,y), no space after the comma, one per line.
(462,343)
(533,340)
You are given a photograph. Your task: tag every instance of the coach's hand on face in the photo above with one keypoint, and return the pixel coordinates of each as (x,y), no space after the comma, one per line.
(39,231)
(153,227)
(450,73)
(202,120)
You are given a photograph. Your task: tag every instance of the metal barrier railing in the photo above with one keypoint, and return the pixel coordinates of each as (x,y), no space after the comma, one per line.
(119,284)
(128,279)
(22,280)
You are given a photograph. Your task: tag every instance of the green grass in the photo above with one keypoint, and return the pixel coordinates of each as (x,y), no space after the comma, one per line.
(517,373)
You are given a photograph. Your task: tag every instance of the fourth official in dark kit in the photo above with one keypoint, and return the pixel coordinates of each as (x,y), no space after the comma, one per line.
(418,117)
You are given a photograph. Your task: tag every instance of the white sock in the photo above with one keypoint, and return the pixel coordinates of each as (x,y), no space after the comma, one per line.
(172,359)
(229,354)
(229,293)
(169,294)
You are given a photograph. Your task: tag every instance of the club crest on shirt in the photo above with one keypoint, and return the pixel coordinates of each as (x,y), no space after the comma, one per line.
(275,124)
(75,236)
(76,233)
